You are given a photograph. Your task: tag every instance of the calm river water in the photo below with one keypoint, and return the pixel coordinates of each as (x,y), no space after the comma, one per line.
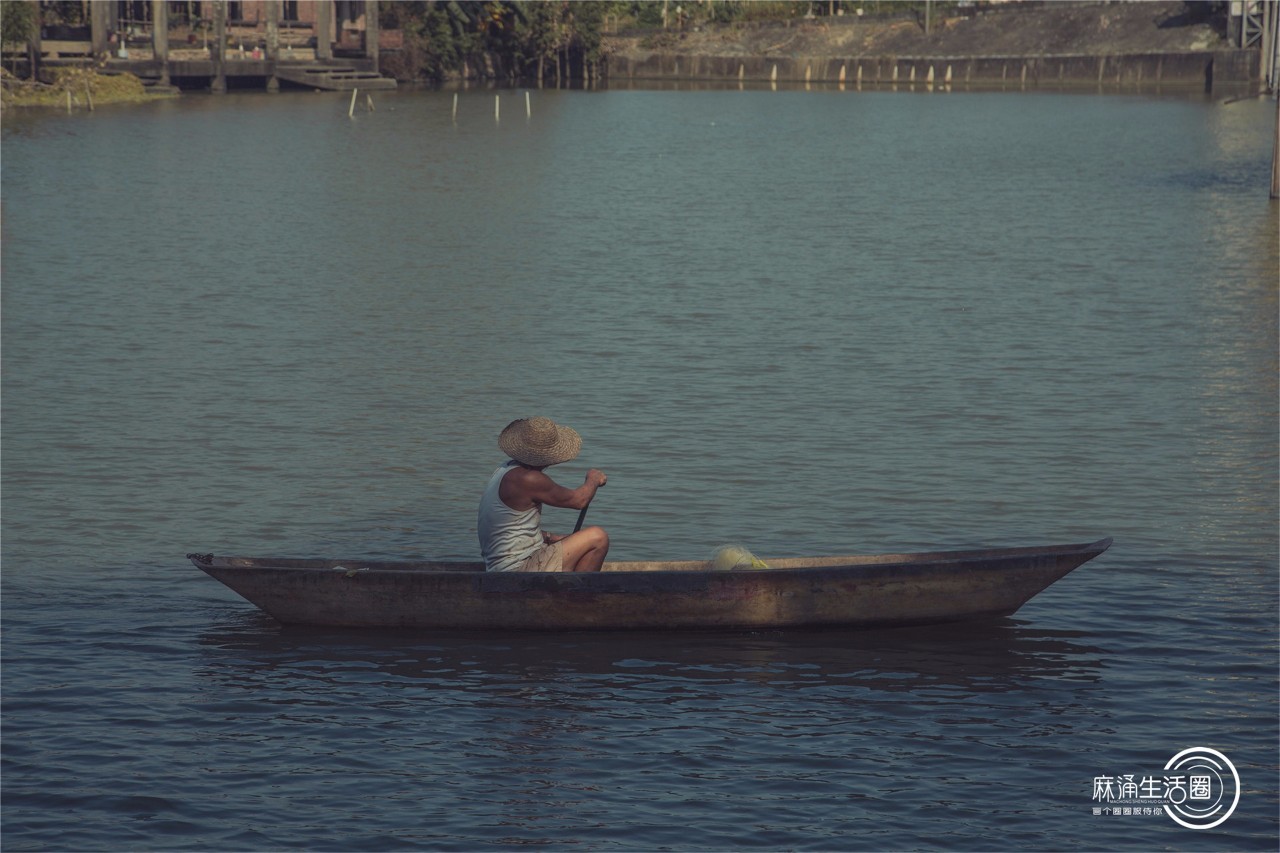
(805,322)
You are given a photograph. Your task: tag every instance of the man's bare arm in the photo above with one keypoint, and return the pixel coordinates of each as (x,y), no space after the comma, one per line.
(522,487)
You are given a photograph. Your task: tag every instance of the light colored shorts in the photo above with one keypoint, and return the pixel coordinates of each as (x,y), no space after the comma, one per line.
(548,558)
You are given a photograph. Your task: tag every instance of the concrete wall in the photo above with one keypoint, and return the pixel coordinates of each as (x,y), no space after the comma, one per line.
(1194,69)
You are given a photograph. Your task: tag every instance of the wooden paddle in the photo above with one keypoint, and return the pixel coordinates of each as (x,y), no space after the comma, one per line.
(582,515)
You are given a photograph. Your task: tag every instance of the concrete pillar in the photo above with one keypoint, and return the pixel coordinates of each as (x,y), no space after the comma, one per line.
(1275,156)
(272,8)
(273,43)
(160,37)
(99,23)
(218,47)
(1270,23)
(324,29)
(371,32)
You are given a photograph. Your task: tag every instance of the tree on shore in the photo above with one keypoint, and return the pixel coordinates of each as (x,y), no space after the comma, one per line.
(508,38)
(19,23)
(547,38)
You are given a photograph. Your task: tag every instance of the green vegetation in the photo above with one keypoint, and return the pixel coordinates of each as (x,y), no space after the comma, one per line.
(554,40)
(496,39)
(18,25)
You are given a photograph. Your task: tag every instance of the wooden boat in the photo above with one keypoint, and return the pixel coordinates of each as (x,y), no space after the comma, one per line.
(847,592)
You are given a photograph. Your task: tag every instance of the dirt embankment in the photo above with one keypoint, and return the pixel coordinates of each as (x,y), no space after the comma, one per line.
(78,88)
(1056,28)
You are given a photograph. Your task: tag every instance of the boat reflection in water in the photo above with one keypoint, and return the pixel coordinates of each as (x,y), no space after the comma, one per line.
(986,656)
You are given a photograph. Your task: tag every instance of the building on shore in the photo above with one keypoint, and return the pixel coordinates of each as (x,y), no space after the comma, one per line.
(325,44)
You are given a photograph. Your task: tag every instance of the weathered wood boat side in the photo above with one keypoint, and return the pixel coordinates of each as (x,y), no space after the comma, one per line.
(850,592)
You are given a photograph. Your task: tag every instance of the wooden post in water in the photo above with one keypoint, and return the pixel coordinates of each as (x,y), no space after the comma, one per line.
(351,111)
(455,107)
(528,106)
(496,100)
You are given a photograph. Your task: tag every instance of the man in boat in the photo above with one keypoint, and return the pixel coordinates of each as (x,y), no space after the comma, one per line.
(510,519)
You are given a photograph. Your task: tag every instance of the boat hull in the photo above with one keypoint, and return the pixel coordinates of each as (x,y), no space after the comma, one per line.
(846,592)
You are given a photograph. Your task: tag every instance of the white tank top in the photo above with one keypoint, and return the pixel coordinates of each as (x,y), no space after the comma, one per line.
(507,537)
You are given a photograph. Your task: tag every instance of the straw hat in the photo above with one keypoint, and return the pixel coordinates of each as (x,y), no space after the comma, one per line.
(539,442)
